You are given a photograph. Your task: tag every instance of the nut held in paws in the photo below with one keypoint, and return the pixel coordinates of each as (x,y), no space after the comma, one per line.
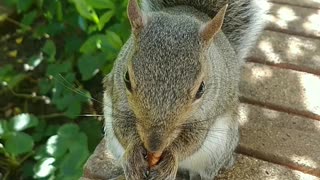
(153,158)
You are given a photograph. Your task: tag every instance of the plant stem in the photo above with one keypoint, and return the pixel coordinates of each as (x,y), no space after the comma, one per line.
(3,162)
(27,96)
(18,23)
(26,157)
(5,177)
(49,116)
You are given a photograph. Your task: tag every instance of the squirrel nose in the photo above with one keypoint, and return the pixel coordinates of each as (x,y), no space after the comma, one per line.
(153,145)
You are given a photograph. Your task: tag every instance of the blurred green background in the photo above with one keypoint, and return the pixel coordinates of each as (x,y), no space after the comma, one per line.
(53,57)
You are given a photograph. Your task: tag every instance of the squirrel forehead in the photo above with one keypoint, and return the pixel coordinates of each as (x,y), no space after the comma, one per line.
(172,49)
(166,63)
(176,31)
(169,46)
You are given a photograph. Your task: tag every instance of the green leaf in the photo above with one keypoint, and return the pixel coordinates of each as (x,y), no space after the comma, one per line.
(54,28)
(28,18)
(2,130)
(39,3)
(73,162)
(107,68)
(45,85)
(93,133)
(59,11)
(68,130)
(86,10)
(23,121)
(48,15)
(72,45)
(40,152)
(82,23)
(3,17)
(67,153)
(3,127)
(56,69)
(27,170)
(89,65)
(66,97)
(17,143)
(57,146)
(73,110)
(51,129)
(110,44)
(15,80)
(24,5)
(94,43)
(9,77)
(105,18)
(7,69)
(39,132)
(92,28)
(44,167)
(114,40)
(101,4)
(9,3)
(122,29)
(33,62)
(50,49)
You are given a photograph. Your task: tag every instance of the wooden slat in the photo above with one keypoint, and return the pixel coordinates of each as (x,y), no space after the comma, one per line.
(293,19)
(248,168)
(298,92)
(280,138)
(304,3)
(288,51)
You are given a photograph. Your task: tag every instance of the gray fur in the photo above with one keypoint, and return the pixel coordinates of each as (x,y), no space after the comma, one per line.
(244,19)
(167,58)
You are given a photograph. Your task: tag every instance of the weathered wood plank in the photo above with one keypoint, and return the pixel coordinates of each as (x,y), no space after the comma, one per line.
(248,168)
(298,92)
(288,51)
(305,3)
(299,20)
(281,138)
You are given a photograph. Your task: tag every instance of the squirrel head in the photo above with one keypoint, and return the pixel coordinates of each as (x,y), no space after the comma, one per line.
(166,74)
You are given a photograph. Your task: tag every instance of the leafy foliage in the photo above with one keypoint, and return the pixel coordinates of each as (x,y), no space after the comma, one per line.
(42,133)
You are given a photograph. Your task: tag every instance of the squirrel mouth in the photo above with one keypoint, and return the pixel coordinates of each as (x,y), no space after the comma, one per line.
(154,158)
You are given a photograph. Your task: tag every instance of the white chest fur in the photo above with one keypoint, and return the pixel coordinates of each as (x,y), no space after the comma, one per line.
(113,144)
(215,148)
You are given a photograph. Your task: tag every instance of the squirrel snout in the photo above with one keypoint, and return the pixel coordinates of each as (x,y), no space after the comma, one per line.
(154,145)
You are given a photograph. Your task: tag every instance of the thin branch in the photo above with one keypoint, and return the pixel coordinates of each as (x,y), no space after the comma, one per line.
(27,96)
(26,157)
(9,105)
(54,115)
(18,23)
(6,175)
(3,8)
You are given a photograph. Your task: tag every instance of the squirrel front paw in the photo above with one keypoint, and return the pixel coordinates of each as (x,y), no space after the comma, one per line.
(166,169)
(135,164)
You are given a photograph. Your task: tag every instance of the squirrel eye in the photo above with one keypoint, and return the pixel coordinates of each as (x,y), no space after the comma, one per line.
(200,90)
(127,81)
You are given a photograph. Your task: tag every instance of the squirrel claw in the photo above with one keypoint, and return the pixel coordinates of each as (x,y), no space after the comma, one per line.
(146,174)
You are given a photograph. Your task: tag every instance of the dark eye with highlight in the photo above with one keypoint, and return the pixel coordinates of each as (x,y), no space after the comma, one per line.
(127,81)
(200,90)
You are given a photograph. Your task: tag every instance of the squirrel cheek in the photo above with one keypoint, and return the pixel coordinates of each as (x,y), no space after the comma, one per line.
(176,133)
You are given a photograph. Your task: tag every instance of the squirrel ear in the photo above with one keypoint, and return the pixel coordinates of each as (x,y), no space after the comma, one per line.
(135,16)
(211,28)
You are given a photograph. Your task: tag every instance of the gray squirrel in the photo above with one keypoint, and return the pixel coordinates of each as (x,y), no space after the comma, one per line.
(173,90)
